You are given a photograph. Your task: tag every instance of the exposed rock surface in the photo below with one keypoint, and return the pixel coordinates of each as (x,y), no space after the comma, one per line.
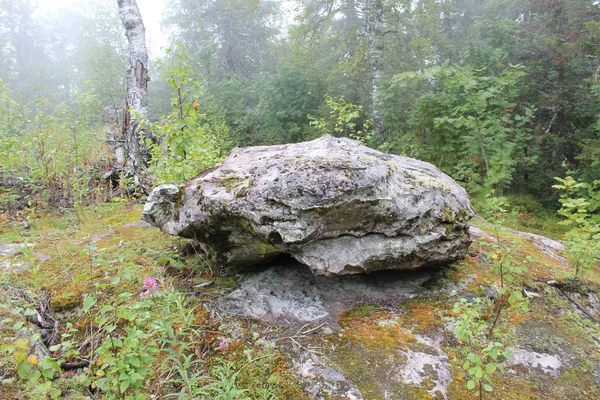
(9,260)
(548,363)
(12,249)
(289,291)
(333,204)
(432,365)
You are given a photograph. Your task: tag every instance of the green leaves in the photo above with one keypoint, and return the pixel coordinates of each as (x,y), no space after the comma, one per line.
(88,303)
(579,205)
(473,122)
(23,369)
(482,355)
(344,120)
(80,277)
(190,137)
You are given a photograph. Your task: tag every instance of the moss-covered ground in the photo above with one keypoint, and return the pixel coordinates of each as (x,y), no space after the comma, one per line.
(86,254)
(371,345)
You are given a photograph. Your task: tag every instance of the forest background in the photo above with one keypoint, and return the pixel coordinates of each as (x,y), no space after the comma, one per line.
(502,95)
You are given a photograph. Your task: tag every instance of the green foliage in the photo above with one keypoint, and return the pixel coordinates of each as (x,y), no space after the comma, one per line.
(344,119)
(11,122)
(470,124)
(224,386)
(135,332)
(123,357)
(502,263)
(189,139)
(38,372)
(483,350)
(53,149)
(482,356)
(580,203)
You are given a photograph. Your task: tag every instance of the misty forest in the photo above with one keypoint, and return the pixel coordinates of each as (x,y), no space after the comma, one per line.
(357,199)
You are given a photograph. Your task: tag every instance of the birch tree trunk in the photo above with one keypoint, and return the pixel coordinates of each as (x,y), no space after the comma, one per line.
(136,99)
(375,33)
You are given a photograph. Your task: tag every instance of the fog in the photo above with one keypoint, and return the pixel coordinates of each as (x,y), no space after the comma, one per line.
(151,11)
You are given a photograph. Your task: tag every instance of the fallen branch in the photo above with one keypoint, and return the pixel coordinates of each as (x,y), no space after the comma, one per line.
(75,365)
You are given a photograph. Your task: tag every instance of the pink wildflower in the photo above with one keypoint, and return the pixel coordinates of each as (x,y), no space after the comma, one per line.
(149,286)
(224,344)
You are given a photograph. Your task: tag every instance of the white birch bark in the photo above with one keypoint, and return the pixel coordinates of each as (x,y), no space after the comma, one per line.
(136,103)
(375,33)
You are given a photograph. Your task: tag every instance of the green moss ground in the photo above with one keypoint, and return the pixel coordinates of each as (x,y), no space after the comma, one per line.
(105,243)
(369,342)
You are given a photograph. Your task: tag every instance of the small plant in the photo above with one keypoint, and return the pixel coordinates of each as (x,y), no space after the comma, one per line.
(36,371)
(35,278)
(482,351)
(224,386)
(502,263)
(481,355)
(137,330)
(579,205)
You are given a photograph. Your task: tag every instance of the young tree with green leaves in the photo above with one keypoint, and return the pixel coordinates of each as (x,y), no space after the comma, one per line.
(580,203)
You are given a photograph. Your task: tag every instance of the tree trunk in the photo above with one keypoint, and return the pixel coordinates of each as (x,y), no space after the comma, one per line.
(136,99)
(375,32)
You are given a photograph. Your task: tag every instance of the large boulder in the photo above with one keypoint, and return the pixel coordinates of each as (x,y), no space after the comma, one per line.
(332,204)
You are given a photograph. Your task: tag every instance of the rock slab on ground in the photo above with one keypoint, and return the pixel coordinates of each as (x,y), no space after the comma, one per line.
(332,204)
(288,291)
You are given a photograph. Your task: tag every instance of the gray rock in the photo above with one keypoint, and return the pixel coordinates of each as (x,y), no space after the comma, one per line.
(324,381)
(548,363)
(137,224)
(420,366)
(333,204)
(161,207)
(17,267)
(42,257)
(289,291)
(12,249)
(103,235)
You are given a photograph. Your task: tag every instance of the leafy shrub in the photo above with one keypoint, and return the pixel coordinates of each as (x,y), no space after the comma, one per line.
(190,138)
(580,203)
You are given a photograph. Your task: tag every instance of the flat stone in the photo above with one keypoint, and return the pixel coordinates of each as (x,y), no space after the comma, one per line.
(548,363)
(103,235)
(478,232)
(18,267)
(325,380)
(420,366)
(43,257)
(12,249)
(288,290)
(137,224)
